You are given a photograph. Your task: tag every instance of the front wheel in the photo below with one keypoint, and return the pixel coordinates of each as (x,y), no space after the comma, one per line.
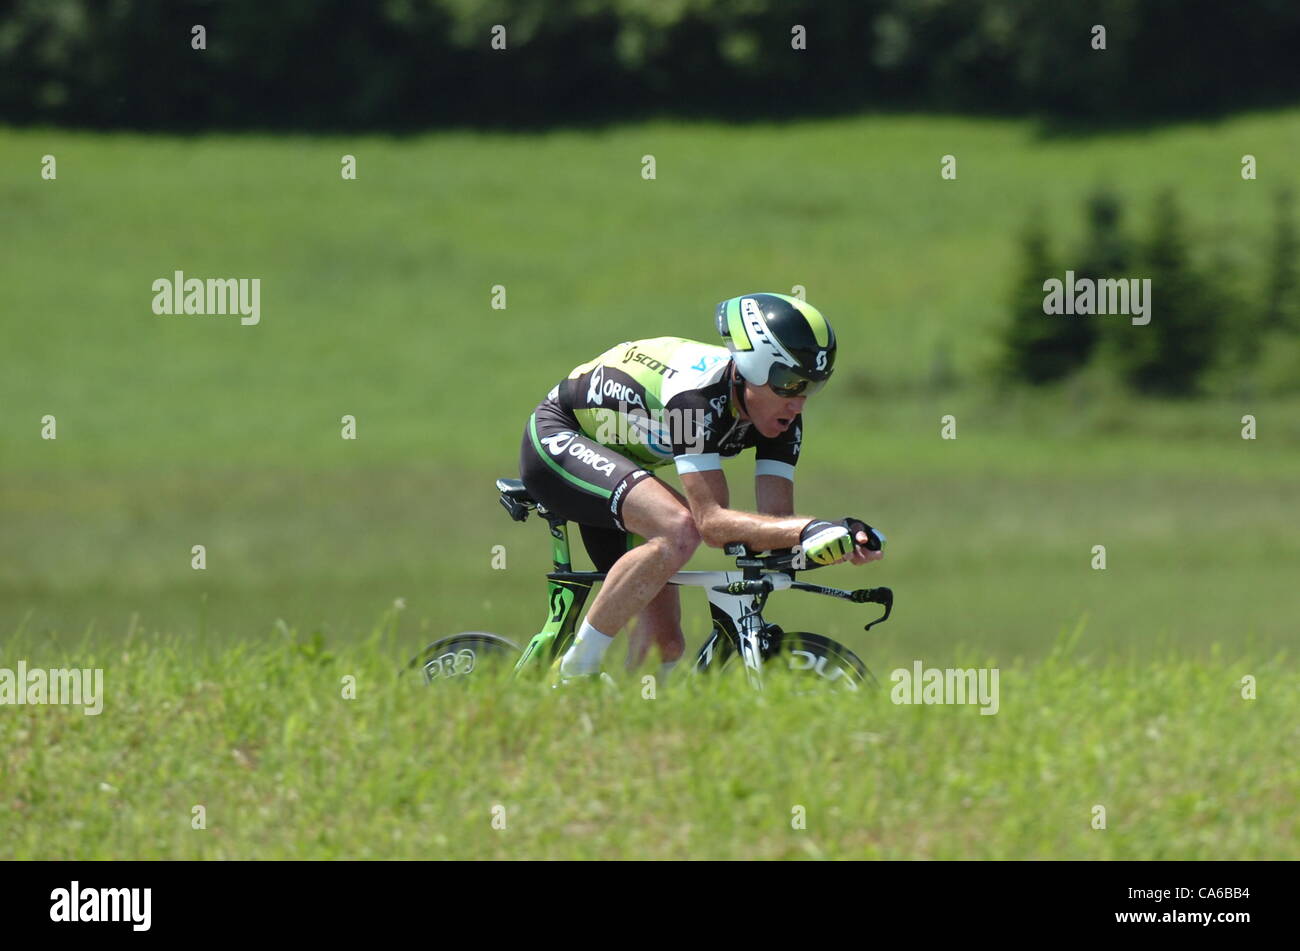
(812,655)
(461,655)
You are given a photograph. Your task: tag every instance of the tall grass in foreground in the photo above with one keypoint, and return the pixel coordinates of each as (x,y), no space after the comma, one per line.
(260,736)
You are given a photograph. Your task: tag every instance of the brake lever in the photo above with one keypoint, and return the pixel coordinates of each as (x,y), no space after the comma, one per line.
(882,596)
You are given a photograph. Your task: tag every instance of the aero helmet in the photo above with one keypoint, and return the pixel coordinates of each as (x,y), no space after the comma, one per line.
(777,340)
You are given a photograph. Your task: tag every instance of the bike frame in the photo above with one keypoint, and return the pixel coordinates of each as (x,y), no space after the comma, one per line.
(737,618)
(736,600)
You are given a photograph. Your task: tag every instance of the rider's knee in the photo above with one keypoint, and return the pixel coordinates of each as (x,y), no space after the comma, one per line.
(672,646)
(683,535)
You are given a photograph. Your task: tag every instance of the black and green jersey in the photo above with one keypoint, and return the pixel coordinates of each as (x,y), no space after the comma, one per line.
(668,399)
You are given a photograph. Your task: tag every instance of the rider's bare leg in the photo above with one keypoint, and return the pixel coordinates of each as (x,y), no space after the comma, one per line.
(653,511)
(660,622)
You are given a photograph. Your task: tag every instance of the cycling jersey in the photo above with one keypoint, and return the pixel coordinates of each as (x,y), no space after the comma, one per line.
(668,399)
(636,407)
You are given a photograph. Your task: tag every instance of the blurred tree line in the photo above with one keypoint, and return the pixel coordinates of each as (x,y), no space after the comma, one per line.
(332,64)
(1212,328)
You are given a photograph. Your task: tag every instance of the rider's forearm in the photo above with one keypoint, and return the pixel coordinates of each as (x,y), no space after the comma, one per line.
(763,532)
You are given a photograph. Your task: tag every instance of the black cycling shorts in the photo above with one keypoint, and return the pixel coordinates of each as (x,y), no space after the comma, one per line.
(579,480)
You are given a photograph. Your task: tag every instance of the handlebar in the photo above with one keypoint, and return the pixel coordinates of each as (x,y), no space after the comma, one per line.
(881,596)
(762,587)
(780,560)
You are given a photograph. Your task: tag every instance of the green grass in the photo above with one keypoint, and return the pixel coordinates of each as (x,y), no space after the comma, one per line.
(284,767)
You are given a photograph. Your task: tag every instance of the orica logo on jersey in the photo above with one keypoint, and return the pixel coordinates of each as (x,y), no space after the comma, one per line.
(558,443)
(619,392)
(602,464)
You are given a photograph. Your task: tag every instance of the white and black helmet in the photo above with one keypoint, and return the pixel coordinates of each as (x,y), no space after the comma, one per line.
(777,340)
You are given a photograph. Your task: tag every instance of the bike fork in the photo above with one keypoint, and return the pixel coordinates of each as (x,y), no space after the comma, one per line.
(751,628)
(743,631)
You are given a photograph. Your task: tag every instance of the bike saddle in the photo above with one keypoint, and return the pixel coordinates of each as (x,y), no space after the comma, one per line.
(515,498)
(515,489)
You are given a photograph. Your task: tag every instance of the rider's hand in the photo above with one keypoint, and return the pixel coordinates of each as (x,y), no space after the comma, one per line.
(828,543)
(861,554)
(862,535)
(825,542)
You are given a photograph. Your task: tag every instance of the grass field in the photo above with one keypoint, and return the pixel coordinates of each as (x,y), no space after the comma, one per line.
(176,431)
(284,767)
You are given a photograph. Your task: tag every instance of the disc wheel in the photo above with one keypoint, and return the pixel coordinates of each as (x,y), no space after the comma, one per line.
(462,656)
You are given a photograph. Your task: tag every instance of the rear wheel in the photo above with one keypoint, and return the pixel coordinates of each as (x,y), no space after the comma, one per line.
(471,653)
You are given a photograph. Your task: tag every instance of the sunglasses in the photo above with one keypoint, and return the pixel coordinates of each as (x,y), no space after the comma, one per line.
(788,382)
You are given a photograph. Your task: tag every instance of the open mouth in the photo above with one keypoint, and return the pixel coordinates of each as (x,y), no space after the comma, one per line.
(785,421)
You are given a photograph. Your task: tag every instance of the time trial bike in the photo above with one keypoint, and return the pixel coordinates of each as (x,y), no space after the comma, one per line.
(740,634)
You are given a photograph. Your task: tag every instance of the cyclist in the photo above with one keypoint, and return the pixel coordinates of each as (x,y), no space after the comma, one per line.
(588,449)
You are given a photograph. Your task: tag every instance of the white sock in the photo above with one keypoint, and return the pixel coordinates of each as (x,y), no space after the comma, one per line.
(666,668)
(587,652)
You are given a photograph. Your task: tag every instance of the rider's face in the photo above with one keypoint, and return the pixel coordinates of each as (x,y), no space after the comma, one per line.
(771,414)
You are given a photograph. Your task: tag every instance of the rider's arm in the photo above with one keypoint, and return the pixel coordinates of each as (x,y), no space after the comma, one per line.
(774,462)
(706,492)
(774,494)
